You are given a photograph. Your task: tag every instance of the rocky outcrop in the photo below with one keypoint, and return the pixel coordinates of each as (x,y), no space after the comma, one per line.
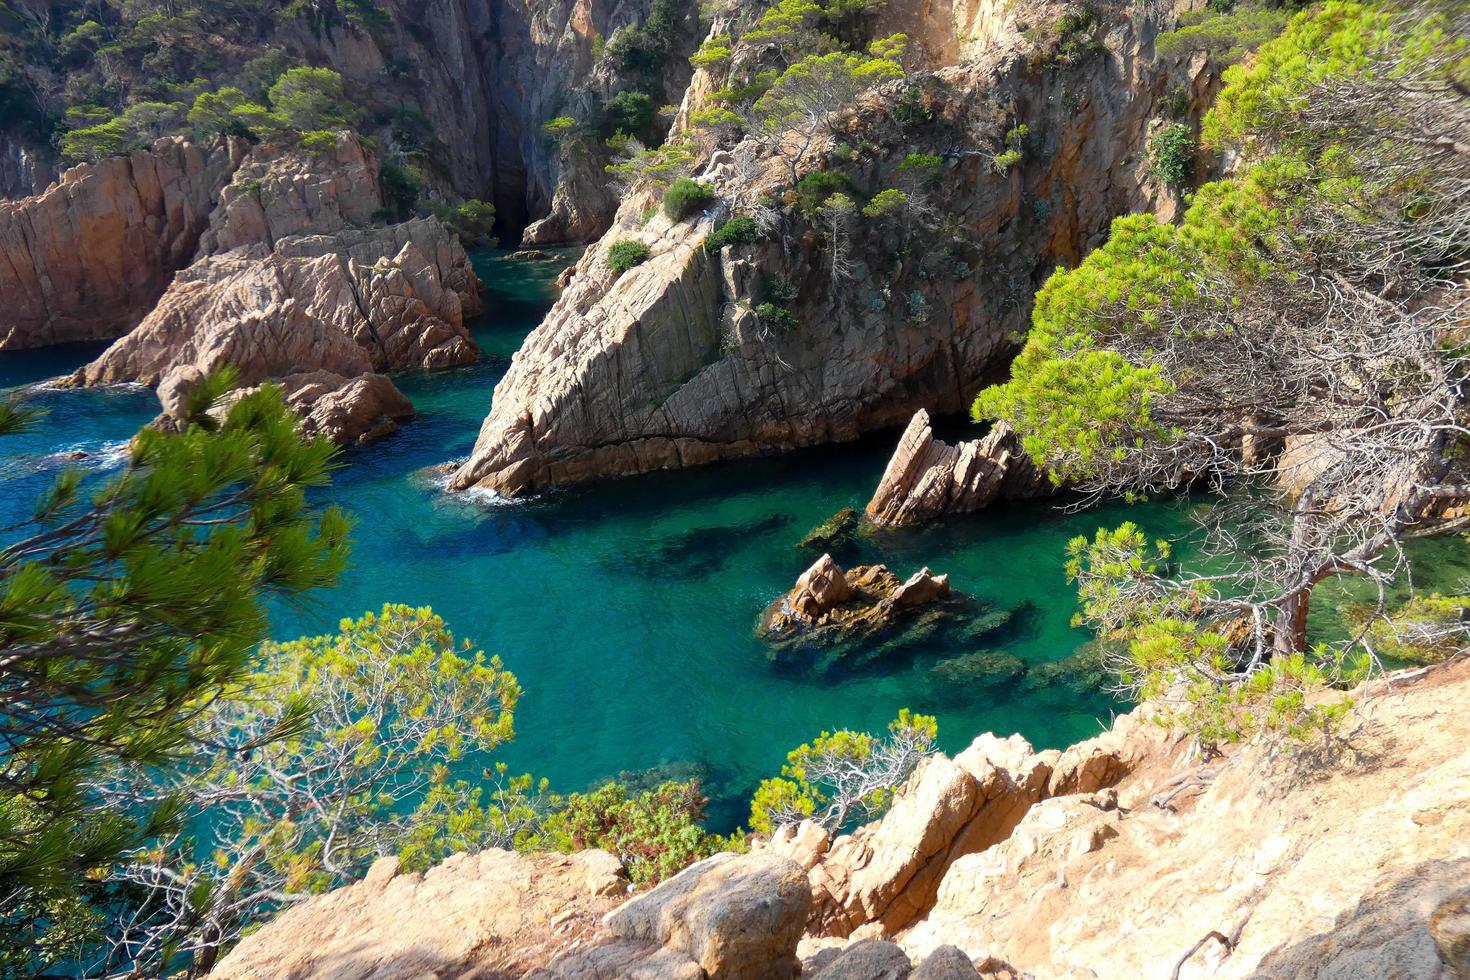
(885,875)
(1343,860)
(88,257)
(927,478)
(280,191)
(829,601)
(736,917)
(495,914)
(291,284)
(322,313)
(670,366)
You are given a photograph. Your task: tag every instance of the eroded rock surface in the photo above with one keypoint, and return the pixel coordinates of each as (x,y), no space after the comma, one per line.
(495,914)
(277,192)
(927,478)
(1125,856)
(324,313)
(89,256)
(1339,861)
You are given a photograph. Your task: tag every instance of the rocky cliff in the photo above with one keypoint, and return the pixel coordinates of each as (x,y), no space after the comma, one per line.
(87,258)
(670,365)
(459,90)
(292,284)
(1129,855)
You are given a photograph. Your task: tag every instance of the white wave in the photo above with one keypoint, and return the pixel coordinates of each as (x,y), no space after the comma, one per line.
(439,477)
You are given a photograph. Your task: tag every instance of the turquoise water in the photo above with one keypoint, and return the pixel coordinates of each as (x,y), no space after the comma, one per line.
(627,609)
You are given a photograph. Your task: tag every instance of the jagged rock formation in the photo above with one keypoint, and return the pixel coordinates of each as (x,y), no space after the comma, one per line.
(321,312)
(88,257)
(1345,860)
(827,600)
(277,192)
(669,365)
(927,478)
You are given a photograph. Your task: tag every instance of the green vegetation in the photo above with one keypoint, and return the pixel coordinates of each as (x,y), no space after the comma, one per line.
(1226,36)
(886,203)
(776,317)
(1066,40)
(739,230)
(1171,155)
(656,834)
(126,607)
(843,777)
(472,220)
(685,197)
(626,254)
(1197,350)
(349,741)
(308,101)
(641,52)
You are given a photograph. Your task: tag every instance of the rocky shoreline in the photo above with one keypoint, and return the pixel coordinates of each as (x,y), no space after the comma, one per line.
(1129,854)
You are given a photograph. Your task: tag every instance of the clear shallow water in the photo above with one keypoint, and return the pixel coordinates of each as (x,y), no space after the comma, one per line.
(627,609)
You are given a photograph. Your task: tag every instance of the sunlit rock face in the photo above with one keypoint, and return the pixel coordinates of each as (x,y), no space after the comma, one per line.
(669,365)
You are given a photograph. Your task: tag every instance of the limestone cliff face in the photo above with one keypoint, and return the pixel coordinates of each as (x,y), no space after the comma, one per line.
(87,258)
(1127,855)
(669,365)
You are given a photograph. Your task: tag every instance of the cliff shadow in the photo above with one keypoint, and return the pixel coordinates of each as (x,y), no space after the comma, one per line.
(1388,933)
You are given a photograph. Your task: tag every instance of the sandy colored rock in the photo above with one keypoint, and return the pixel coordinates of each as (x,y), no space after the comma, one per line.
(946,963)
(738,916)
(828,601)
(279,191)
(88,257)
(1335,862)
(870,959)
(492,914)
(927,478)
(805,842)
(322,314)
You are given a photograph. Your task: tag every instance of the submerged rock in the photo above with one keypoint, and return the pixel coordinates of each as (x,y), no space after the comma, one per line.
(983,669)
(832,533)
(927,478)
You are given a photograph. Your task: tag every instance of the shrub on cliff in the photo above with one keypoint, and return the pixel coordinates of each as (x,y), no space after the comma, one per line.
(626,254)
(686,196)
(739,230)
(472,220)
(126,607)
(1171,155)
(656,834)
(843,777)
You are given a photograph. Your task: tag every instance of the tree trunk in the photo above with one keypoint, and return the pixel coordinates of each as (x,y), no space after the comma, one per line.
(1291,624)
